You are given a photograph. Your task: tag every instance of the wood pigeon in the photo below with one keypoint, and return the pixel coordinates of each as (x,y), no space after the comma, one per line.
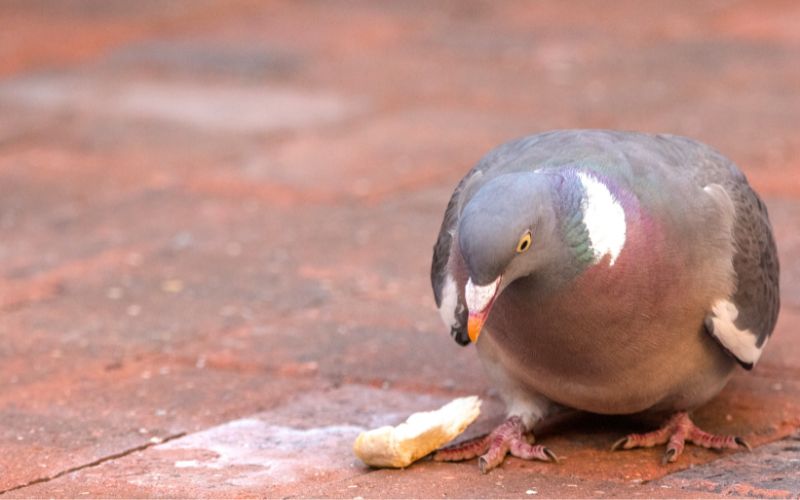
(605,271)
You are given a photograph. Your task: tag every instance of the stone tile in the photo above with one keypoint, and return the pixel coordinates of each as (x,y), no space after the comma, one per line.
(780,359)
(768,472)
(37,31)
(227,108)
(303,448)
(784,214)
(214,214)
(308,439)
(435,480)
(199,57)
(68,422)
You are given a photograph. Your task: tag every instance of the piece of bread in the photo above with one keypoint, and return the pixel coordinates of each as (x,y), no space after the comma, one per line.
(421,434)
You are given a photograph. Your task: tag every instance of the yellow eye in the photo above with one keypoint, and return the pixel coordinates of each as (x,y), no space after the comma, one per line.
(524,242)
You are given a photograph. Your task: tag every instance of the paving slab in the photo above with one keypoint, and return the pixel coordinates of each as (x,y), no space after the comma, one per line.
(772,471)
(58,425)
(217,222)
(306,440)
(304,448)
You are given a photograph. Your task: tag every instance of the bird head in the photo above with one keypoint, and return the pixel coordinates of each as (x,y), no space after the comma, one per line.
(506,231)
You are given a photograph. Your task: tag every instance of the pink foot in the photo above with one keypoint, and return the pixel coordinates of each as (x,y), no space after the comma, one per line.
(675,433)
(509,437)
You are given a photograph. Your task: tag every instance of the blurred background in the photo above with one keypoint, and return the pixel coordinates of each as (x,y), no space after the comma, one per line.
(217,219)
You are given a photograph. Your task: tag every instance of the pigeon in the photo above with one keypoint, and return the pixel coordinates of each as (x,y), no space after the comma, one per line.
(611,272)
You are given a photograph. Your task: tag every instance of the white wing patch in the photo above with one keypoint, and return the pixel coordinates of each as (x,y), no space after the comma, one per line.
(603,217)
(447,309)
(740,343)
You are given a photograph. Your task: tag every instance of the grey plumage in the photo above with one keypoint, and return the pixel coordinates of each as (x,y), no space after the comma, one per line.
(595,336)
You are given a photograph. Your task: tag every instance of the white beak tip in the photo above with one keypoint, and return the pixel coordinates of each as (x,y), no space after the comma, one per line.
(479,297)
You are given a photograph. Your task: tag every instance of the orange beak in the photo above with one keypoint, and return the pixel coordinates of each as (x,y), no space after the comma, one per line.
(480,300)
(475,324)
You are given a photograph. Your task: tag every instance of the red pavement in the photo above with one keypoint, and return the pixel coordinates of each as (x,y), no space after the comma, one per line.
(217,220)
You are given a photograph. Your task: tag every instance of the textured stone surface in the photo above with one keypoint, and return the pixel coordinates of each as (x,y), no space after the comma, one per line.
(217,220)
(772,471)
(305,441)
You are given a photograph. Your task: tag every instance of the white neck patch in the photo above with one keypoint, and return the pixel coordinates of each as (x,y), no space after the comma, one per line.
(603,217)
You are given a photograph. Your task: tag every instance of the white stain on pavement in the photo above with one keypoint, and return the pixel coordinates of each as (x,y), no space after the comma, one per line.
(306,441)
(262,452)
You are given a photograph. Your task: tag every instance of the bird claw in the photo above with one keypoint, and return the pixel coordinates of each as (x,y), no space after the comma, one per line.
(483,465)
(508,438)
(675,433)
(744,444)
(669,456)
(495,456)
(551,455)
(619,443)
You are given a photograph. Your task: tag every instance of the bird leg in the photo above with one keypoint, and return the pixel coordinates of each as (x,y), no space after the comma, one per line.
(509,437)
(674,434)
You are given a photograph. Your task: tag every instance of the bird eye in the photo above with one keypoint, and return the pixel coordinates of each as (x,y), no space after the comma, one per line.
(524,242)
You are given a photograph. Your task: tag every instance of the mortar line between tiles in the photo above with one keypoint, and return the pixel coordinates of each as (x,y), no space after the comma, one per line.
(94,463)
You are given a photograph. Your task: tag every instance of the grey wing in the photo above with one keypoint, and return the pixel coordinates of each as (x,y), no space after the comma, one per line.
(744,323)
